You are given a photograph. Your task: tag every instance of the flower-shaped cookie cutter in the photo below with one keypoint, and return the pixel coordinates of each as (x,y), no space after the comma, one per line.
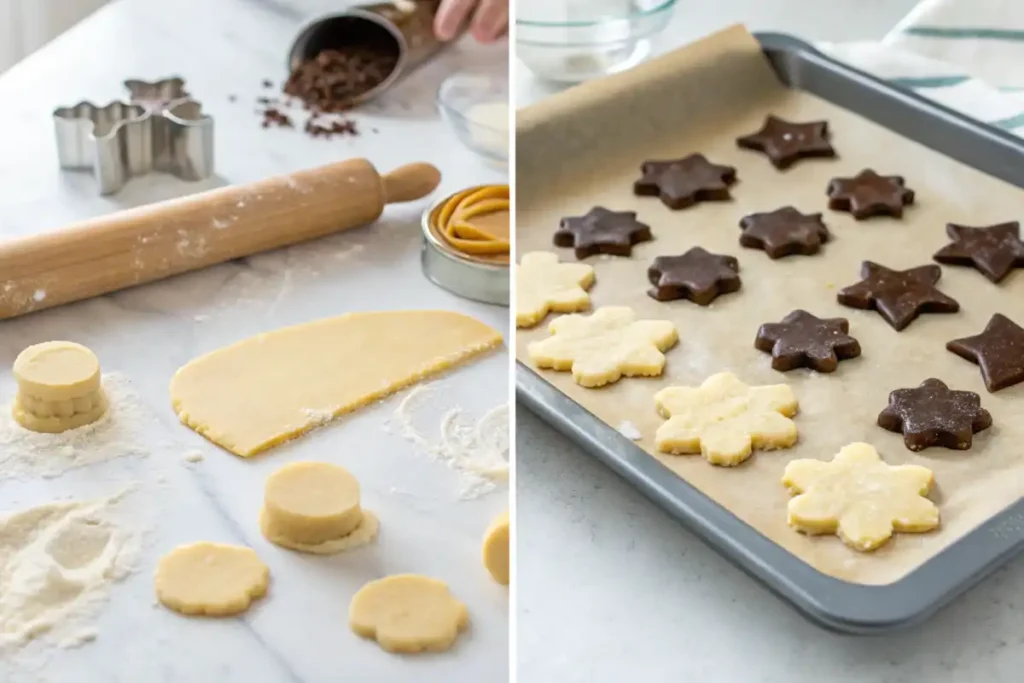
(161,128)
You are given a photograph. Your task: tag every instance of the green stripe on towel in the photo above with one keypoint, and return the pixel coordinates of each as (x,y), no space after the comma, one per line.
(977,33)
(929,81)
(1009,123)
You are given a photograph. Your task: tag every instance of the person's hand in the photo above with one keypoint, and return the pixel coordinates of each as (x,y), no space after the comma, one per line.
(488,19)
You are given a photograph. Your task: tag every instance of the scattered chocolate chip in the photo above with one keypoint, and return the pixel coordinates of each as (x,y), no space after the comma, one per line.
(697,275)
(868,194)
(935,415)
(784,142)
(275,117)
(803,340)
(783,232)
(601,231)
(899,296)
(232,98)
(998,351)
(267,83)
(684,182)
(994,250)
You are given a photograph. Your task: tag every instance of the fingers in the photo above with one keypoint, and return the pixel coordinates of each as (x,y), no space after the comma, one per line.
(450,17)
(490,20)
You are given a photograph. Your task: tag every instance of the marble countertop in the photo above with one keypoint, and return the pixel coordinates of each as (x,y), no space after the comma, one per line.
(299,632)
(610,588)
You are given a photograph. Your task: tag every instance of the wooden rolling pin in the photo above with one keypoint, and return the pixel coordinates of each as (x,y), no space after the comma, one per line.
(151,242)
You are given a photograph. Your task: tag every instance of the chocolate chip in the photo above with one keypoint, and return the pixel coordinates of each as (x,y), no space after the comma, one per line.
(784,142)
(935,415)
(267,83)
(998,351)
(681,183)
(601,231)
(899,296)
(868,194)
(994,250)
(803,340)
(334,80)
(783,232)
(697,275)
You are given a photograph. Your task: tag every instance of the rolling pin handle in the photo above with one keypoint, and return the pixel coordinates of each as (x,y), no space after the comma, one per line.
(410,182)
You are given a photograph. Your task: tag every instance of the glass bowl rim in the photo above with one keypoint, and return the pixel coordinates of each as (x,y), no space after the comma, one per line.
(450,111)
(663,6)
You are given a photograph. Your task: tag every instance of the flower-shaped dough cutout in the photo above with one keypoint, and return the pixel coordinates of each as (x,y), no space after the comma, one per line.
(408,613)
(725,420)
(601,348)
(544,285)
(859,498)
(211,579)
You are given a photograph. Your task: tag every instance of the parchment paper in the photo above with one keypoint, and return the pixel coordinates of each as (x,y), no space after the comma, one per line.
(585,147)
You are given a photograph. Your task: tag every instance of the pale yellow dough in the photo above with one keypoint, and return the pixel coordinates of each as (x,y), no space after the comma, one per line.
(724,419)
(210,579)
(58,387)
(496,549)
(601,348)
(277,385)
(544,285)
(859,497)
(314,507)
(408,613)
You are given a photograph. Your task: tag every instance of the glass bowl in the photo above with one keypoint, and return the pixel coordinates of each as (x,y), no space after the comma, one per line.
(570,41)
(475,104)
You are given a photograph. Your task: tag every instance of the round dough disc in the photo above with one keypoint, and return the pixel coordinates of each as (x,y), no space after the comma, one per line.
(495,549)
(360,536)
(408,613)
(211,579)
(57,370)
(312,502)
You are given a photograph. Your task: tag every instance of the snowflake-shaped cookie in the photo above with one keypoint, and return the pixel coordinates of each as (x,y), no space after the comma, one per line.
(601,348)
(544,285)
(725,420)
(859,497)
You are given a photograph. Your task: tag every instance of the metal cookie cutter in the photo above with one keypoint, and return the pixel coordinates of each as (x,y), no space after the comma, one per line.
(161,128)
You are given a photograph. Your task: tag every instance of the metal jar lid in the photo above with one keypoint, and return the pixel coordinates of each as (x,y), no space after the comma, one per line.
(479,278)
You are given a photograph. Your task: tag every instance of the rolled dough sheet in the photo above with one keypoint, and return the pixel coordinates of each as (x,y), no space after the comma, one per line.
(262,391)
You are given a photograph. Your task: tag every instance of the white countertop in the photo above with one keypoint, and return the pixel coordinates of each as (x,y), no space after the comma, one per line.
(299,632)
(611,589)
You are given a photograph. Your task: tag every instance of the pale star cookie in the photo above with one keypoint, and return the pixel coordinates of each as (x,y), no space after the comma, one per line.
(724,419)
(601,348)
(859,497)
(544,285)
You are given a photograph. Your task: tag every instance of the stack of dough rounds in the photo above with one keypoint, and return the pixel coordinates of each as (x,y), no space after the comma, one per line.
(58,387)
(313,507)
(460,220)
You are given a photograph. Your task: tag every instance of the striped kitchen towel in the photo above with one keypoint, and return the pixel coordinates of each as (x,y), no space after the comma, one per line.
(965,54)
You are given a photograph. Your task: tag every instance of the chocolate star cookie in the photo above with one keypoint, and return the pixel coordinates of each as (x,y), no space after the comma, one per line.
(684,182)
(994,250)
(999,351)
(784,142)
(899,296)
(803,340)
(697,275)
(601,231)
(868,194)
(783,232)
(935,415)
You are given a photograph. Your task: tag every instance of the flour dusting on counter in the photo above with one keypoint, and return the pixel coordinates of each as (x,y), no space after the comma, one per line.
(629,430)
(26,453)
(476,449)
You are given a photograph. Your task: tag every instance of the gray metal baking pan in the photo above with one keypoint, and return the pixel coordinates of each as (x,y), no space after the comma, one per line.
(832,603)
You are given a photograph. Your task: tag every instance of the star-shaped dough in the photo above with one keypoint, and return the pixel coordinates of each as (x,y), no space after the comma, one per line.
(601,231)
(935,415)
(868,194)
(603,347)
(899,296)
(725,420)
(544,285)
(998,350)
(784,142)
(681,183)
(697,275)
(783,232)
(994,250)
(805,340)
(859,497)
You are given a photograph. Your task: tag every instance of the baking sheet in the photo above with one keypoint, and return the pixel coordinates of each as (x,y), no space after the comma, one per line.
(699,100)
